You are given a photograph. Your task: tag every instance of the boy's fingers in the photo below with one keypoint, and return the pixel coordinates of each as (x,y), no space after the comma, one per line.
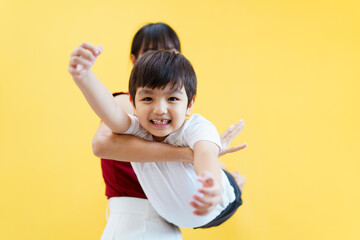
(75,61)
(80,61)
(203,207)
(206,201)
(90,47)
(194,204)
(79,67)
(199,206)
(205,175)
(200,213)
(210,191)
(81,52)
(207,182)
(100,48)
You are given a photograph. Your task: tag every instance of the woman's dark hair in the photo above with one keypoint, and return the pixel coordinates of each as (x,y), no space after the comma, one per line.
(154,36)
(158,69)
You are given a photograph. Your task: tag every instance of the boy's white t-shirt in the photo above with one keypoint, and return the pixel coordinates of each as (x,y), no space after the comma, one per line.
(170,186)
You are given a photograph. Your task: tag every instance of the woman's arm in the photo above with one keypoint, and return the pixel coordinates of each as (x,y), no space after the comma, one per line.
(127,148)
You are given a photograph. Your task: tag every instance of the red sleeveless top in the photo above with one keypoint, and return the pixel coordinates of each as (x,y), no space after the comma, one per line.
(120,179)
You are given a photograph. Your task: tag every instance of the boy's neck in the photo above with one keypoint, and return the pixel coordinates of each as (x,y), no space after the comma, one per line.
(159,139)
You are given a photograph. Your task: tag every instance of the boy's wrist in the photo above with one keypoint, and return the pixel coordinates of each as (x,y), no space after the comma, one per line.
(84,78)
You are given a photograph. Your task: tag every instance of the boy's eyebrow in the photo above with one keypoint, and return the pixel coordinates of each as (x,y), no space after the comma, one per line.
(175,91)
(144,91)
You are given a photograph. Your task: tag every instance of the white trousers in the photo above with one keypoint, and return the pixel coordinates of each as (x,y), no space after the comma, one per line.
(135,219)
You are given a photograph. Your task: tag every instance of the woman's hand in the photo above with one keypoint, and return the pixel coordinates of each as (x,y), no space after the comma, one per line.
(227,137)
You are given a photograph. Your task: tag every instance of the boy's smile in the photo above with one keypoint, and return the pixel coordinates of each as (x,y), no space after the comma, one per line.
(161,122)
(161,111)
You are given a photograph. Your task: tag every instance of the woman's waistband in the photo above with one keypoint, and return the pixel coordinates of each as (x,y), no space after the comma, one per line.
(132,205)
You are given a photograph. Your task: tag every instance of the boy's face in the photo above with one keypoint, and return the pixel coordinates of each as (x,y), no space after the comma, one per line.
(161,111)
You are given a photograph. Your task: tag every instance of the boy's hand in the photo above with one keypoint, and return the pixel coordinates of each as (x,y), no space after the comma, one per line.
(229,135)
(82,59)
(211,195)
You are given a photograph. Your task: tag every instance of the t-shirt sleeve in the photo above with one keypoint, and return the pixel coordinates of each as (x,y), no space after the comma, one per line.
(200,129)
(134,126)
(135,129)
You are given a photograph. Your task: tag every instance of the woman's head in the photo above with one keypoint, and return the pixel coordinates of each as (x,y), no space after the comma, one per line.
(154,36)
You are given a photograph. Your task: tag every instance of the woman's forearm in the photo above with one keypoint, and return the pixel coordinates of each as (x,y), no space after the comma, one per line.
(126,148)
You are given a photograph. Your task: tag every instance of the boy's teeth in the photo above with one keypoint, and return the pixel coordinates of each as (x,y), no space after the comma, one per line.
(160,121)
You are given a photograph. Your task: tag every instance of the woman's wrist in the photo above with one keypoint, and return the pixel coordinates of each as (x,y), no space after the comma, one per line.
(186,154)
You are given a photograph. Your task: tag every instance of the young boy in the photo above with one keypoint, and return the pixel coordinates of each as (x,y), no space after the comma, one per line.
(162,90)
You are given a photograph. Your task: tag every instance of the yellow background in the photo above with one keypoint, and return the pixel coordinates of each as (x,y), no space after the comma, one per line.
(289,68)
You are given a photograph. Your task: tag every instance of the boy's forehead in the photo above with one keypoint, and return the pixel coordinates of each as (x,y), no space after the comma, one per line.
(167,90)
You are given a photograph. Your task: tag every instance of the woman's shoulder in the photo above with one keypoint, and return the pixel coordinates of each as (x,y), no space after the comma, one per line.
(120,93)
(122,99)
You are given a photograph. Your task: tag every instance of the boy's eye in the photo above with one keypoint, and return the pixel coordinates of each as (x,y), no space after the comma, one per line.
(173,99)
(147,99)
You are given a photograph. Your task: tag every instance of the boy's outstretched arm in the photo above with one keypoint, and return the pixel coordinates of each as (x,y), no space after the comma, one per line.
(206,159)
(97,95)
(207,167)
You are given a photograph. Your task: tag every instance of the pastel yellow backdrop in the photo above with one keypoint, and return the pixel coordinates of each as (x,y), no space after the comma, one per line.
(287,67)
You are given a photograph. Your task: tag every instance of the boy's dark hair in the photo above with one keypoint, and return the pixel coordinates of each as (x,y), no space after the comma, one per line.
(157,69)
(154,36)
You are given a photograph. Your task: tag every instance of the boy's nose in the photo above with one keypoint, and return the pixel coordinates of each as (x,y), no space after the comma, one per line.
(160,108)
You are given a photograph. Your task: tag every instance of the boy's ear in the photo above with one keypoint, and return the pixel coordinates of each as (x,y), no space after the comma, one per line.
(188,110)
(132,103)
(133,58)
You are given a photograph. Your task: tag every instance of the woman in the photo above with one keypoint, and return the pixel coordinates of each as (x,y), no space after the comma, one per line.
(122,187)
